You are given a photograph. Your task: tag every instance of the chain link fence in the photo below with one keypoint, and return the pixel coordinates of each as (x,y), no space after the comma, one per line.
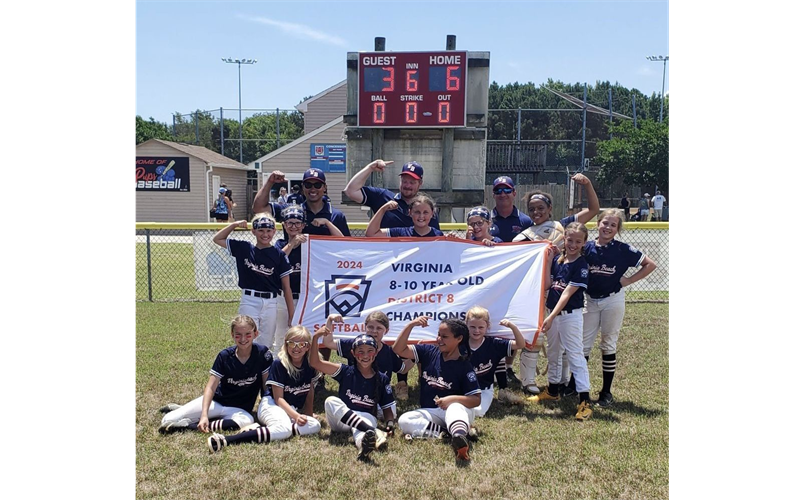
(180,262)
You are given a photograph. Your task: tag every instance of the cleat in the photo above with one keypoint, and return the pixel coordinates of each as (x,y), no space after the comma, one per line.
(461,446)
(568,391)
(409,438)
(473,434)
(584,411)
(605,399)
(511,377)
(401,391)
(216,442)
(543,396)
(382,440)
(444,436)
(367,444)
(531,389)
(179,425)
(169,408)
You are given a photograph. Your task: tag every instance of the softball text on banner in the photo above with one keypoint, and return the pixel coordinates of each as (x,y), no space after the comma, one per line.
(409,277)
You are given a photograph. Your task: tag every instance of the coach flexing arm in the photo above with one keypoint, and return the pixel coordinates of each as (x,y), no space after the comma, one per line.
(354,186)
(262,202)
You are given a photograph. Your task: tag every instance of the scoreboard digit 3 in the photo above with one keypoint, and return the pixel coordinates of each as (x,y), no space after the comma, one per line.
(412,89)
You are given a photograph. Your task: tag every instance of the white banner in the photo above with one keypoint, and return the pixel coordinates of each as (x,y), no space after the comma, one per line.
(409,277)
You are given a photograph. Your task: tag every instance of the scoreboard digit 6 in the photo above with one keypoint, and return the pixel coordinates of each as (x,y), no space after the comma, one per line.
(412,89)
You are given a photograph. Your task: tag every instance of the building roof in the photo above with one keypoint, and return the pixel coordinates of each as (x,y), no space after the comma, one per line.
(305,137)
(302,106)
(208,156)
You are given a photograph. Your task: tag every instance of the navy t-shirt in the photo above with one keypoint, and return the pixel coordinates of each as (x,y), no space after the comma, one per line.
(338,219)
(375,198)
(608,264)
(295,198)
(506,228)
(240,383)
(562,275)
(295,260)
(363,394)
(396,232)
(259,269)
(443,378)
(295,390)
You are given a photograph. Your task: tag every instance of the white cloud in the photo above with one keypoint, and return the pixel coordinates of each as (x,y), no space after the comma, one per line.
(300,31)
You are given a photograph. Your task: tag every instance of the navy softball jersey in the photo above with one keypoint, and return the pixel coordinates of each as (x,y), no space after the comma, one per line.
(486,358)
(375,198)
(562,275)
(385,361)
(338,219)
(608,264)
(259,268)
(443,378)
(396,232)
(295,260)
(240,382)
(360,393)
(295,389)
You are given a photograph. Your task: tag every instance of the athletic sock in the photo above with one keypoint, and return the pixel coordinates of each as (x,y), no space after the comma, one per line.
(402,377)
(459,428)
(608,363)
(500,375)
(223,424)
(259,435)
(584,396)
(354,420)
(553,389)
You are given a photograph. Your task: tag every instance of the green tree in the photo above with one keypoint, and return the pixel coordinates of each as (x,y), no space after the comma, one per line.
(636,155)
(151,129)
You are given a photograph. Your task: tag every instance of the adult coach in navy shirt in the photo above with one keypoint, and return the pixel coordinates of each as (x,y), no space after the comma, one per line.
(373,197)
(507,221)
(318,209)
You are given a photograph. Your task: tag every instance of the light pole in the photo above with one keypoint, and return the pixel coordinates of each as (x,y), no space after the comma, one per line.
(664,60)
(240,118)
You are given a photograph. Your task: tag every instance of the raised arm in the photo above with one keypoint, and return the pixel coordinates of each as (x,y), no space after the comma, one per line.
(591,211)
(221,236)
(373,229)
(313,354)
(262,200)
(401,347)
(353,187)
(519,340)
(321,221)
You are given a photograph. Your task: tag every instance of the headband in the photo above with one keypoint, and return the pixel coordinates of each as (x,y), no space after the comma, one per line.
(482,212)
(293,212)
(364,339)
(263,223)
(540,197)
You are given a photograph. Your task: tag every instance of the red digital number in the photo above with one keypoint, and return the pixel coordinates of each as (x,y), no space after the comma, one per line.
(410,112)
(379,112)
(411,83)
(444,112)
(452,81)
(389,79)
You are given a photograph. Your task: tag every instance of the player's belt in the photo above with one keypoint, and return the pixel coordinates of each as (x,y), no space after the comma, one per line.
(295,295)
(563,312)
(260,295)
(604,296)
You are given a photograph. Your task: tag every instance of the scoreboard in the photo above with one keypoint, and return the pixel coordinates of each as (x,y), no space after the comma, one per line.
(412,89)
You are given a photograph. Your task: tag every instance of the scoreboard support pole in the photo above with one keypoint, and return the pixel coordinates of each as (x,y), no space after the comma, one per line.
(448,136)
(378,134)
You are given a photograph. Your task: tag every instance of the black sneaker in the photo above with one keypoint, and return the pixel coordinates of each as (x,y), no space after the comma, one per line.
(368,444)
(511,377)
(605,399)
(461,447)
(568,391)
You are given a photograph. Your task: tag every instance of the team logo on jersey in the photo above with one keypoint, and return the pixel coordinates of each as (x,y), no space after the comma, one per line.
(633,249)
(583,273)
(269,356)
(388,389)
(346,294)
(471,376)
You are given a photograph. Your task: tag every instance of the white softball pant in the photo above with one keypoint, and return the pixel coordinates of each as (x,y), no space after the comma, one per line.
(264,314)
(192,410)
(606,315)
(487,395)
(279,423)
(566,334)
(414,422)
(282,323)
(335,409)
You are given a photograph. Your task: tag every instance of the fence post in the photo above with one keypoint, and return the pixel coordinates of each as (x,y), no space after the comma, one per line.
(148,260)
(221,110)
(196,126)
(583,128)
(278,128)
(174,125)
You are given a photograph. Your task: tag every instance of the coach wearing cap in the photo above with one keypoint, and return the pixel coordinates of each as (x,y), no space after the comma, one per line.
(319,212)
(507,221)
(373,197)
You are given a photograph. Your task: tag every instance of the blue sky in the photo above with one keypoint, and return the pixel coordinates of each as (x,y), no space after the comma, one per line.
(301,46)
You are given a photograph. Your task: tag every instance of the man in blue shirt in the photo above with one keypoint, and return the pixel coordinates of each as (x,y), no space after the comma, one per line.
(410,182)
(507,221)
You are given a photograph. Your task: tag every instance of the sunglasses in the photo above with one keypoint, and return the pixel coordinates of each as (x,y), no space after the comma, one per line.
(502,190)
(298,345)
(313,185)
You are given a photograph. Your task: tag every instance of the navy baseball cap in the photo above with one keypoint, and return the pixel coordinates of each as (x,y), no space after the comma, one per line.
(364,339)
(503,180)
(413,169)
(314,173)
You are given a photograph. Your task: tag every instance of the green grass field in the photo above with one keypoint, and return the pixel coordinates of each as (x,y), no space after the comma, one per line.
(538,450)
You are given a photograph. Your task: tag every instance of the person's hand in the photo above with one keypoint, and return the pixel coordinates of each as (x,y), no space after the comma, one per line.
(624,281)
(204,424)
(420,321)
(551,252)
(546,325)
(379,165)
(334,318)
(242,224)
(581,179)
(506,323)
(319,222)
(323,331)
(391,205)
(444,402)
(298,240)
(489,242)
(468,236)
(276,177)
(453,236)
(390,426)
(301,419)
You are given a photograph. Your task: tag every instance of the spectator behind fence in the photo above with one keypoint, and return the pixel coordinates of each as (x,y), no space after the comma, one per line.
(644,207)
(659,202)
(222,206)
(295,196)
(625,204)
